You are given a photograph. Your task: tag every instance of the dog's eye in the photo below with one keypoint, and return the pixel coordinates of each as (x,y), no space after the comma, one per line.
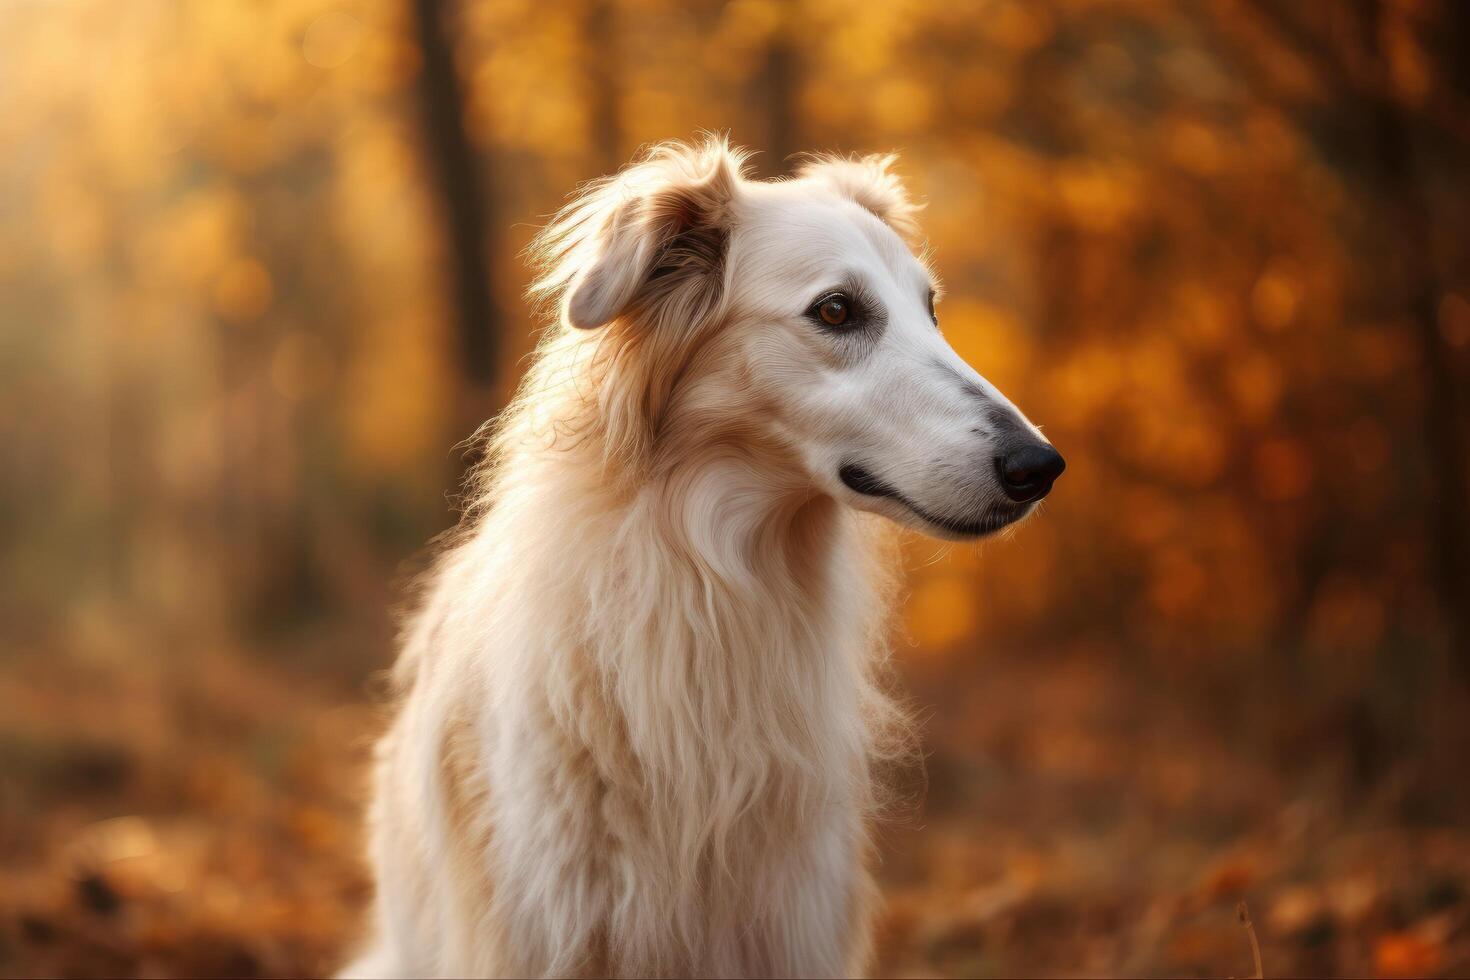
(834,310)
(933,314)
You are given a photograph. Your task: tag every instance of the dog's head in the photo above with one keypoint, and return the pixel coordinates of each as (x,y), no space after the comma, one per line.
(789,314)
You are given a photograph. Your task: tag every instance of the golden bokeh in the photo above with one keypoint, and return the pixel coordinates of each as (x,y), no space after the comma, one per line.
(261,277)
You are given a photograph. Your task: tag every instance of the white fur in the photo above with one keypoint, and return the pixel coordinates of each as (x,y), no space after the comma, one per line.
(639,718)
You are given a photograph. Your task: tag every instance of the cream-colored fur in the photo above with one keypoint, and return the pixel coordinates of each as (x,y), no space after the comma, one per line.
(639,710)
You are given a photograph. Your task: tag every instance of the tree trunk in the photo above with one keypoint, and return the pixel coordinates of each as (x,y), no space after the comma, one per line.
(600,38)
(1408,215)
(780,85)
(466,210)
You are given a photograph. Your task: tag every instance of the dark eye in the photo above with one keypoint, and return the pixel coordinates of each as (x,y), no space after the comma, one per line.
(834,310)
(932,314)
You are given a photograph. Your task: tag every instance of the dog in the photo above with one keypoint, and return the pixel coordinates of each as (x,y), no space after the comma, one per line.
(643,696)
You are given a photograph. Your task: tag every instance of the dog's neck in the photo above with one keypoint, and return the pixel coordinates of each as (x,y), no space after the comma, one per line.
(748,521)
(710,537)
(715,624)
(727,552)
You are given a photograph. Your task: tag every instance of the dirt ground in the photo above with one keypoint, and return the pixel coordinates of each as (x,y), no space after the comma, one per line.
(203,819)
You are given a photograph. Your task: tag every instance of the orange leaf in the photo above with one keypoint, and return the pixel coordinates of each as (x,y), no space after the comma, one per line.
(1403,954)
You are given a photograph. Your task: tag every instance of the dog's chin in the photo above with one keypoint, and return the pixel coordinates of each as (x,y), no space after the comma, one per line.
(971,527)
(954,524)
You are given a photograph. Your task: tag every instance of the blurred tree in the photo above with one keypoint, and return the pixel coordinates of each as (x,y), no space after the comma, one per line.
(465,207)
(779,82)
(604,70)
(1374,112)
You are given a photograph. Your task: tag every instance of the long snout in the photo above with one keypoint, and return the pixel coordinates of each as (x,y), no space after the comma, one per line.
(1026,465)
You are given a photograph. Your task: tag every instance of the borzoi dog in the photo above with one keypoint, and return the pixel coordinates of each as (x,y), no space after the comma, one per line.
(640,699)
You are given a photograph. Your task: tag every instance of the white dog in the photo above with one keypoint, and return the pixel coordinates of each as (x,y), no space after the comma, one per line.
(639,711)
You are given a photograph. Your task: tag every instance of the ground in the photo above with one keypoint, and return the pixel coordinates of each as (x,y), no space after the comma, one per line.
(203,819)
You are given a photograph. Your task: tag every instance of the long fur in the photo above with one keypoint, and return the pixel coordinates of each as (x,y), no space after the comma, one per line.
(641,699)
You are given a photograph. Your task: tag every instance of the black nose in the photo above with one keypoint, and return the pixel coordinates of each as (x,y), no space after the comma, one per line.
(1027,474)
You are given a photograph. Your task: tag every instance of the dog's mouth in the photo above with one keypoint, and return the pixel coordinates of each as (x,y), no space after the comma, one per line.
(861,481)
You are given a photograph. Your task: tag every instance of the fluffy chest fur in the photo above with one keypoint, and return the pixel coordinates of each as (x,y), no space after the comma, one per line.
(642,748)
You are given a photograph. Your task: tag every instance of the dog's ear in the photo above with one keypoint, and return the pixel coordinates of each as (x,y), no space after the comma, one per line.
(870,182)
(663,235)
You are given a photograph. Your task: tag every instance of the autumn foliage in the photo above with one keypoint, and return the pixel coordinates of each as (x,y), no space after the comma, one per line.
(260,276)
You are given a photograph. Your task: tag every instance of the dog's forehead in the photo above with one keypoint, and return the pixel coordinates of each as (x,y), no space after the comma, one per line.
(797,232)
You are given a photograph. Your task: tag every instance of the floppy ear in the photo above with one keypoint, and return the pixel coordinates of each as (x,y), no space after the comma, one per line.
(870,182)
(665,230)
